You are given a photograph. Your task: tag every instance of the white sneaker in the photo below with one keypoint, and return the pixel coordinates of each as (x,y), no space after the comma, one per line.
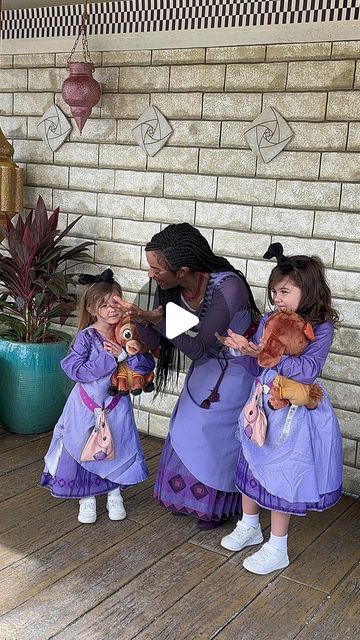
(266,560)
(87,511)
(115,507)
(242,536)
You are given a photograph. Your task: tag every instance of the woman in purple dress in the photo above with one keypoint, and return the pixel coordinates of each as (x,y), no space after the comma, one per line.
(196,474)
(92,359)
(299,468)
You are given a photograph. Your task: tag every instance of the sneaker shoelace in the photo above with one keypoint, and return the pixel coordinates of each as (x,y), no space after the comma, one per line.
(115,501)
(266,552)
(87,506)
(242,528)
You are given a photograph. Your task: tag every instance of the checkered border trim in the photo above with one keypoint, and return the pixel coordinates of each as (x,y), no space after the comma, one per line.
(146,16)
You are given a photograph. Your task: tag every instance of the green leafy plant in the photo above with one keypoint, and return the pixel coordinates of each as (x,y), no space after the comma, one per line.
(34,283)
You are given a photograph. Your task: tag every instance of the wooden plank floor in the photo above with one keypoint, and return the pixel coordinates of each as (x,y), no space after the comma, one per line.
(157,577)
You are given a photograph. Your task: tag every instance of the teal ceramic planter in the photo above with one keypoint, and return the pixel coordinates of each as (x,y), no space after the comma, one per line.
(33,387)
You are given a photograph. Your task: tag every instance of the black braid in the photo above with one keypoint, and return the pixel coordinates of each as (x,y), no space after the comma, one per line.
(182,245)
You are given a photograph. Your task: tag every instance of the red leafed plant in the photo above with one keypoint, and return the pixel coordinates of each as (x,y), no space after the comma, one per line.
(34,284)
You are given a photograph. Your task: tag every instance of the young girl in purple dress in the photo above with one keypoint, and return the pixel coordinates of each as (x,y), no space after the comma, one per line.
(92,359)
(299,468)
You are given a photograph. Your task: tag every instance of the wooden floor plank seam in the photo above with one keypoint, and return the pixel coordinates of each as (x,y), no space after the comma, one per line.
(328,594)
(185,595)
(126,582)
(62,576)
(24,466)
(308,621)
(82,565)
(330,524)
(16,445)
(231,618)
(126,562)
(245,607)
(316,611)
(53,637)
(32,553)
(58,501)
(309,586)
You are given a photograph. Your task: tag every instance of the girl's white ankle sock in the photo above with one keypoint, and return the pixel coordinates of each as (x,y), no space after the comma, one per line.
(280,542)
(251,521)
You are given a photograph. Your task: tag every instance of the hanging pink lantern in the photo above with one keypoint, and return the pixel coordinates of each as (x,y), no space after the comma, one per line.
(81,91)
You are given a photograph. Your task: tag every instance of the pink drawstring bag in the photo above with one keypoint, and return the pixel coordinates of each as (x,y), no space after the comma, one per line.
(99,445)
(255,421)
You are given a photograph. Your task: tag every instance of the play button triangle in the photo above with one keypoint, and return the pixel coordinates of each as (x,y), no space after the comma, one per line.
(178,320)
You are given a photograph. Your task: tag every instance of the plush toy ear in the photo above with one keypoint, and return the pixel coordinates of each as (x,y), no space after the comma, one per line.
(308,331)
(271,353)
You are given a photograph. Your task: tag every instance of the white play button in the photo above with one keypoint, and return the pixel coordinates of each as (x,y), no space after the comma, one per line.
(178,320)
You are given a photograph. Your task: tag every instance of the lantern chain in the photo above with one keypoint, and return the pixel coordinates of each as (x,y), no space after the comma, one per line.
(82,32)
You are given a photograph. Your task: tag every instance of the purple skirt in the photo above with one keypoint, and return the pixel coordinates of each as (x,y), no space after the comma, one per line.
(178,490)
(250,487)
(73,481)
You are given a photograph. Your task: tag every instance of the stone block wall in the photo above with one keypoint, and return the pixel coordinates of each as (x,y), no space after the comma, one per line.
(307,198)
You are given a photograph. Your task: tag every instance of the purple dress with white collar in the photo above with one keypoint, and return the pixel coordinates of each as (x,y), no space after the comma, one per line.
(90,366)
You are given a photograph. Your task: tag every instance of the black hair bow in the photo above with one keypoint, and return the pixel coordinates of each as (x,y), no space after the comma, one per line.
(285,264)
(105,276)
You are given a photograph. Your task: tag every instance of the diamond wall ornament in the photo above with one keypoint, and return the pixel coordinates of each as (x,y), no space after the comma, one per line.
(268,134)
(54,127)
(151,131)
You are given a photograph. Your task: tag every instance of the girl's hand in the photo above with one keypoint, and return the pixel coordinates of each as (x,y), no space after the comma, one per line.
(113,348)
(240,343)
(232,340)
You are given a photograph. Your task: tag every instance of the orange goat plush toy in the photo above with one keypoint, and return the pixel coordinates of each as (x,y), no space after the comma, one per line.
(286,333)
(136,372)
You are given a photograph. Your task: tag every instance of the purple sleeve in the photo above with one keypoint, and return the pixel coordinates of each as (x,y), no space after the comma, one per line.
(229,297)
(141,363)
(307,367)
(260,330)
(79,367)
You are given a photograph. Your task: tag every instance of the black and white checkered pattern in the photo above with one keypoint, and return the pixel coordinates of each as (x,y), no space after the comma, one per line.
(145,16)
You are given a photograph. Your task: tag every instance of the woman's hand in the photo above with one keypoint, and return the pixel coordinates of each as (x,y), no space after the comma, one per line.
(125,307)
(113,348)
(132,312)
(155,315)
(240,343)
(144,317)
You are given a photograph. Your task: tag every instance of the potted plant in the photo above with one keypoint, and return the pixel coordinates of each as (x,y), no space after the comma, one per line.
(34,291)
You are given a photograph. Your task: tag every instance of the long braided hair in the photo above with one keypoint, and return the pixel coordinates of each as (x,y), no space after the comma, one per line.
(182,245)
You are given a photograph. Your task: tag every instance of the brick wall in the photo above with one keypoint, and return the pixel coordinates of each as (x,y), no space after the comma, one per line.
(308,197)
